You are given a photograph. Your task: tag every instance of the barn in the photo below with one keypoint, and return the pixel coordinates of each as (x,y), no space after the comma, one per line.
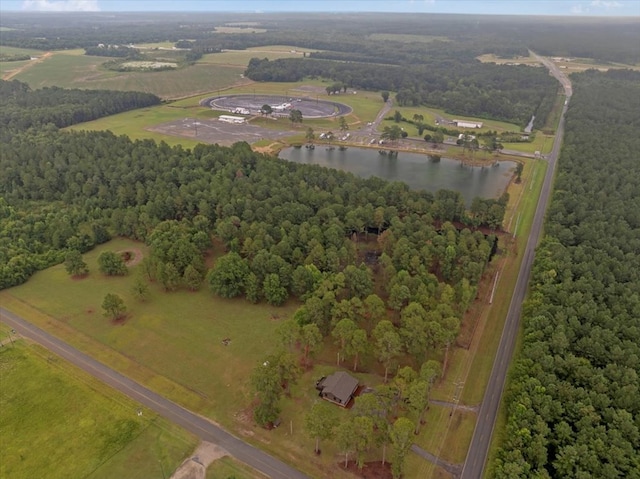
(467,124)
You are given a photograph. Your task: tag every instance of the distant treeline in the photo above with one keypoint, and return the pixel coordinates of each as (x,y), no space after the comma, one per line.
(574,393)
(613,40)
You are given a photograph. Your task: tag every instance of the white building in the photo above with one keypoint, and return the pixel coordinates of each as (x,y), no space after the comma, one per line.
(467,124)
(232,119)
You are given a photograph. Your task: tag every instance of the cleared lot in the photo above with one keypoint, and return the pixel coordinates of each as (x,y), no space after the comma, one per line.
(216,131)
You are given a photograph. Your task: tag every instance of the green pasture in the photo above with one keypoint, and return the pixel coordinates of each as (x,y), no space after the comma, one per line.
(227,467)
(185,325)
(241,58)
(74,70)
(6,50)
(63,423)
(133,123)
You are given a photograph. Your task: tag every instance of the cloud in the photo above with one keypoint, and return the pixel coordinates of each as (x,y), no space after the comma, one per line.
(606,4)
(61,5)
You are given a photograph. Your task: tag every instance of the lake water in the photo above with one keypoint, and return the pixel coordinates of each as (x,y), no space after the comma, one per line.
(417,170)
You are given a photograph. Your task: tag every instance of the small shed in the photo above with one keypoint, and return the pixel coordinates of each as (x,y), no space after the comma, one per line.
(338,388)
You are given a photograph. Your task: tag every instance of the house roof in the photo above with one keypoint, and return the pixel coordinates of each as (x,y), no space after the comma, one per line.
(340,384)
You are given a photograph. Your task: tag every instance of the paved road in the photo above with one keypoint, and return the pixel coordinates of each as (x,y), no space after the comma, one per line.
(481,440)
(193,423)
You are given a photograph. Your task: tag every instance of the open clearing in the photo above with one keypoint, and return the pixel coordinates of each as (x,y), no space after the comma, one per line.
(63,423)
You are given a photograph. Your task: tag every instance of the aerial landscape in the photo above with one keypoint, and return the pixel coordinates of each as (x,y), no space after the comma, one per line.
(383,240)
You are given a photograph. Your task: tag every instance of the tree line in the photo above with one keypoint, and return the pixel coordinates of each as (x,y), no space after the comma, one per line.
(508,93)
(574,394)
(24,108)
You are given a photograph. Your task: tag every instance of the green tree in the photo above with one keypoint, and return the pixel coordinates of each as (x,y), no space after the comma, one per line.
(295,116)
(227,277)
(397,116)
(192,278)
(111,264)
(169,276)
(342,123)
(74,264)
(342,333)
(401,435)
(274,292)
(388,346)
(357,345)
(140,289)
(252,289)
(310,135)
(385,96)
(113,306)
(266,110)
(310,339)
(320,422)
(265,381)
(418,400)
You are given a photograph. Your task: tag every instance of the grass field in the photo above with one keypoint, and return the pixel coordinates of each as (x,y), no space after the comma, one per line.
(227,467)
(240,58)
(6,50)
(63,423)
(73,69)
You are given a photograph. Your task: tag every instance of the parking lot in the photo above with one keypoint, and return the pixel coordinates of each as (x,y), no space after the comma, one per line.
(215,131)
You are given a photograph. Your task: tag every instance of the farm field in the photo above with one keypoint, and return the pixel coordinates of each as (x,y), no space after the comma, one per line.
(71,425)
(226,467)
(240,58)
(572,66)
(73,69)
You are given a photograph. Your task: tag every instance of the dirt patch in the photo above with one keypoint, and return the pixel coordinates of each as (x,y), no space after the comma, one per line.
(132,256)
(371,470)
(195,467)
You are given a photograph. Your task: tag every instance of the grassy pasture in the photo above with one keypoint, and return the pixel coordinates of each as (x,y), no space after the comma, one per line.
(73,69)
(240,58)
(7,50)
(63,423)
(185,325)
(228,467)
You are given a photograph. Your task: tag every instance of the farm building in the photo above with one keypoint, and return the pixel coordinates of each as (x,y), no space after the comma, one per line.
(337,388)
(467,124)
(231,119)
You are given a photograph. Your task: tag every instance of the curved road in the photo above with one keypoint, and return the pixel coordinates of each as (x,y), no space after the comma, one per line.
(193,423)
(481,440)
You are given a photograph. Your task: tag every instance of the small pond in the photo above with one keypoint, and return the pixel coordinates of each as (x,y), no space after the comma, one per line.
(417,170)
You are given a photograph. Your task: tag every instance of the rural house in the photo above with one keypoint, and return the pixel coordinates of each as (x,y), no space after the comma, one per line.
(337,388)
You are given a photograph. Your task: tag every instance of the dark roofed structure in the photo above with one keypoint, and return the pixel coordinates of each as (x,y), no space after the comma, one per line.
(338,388)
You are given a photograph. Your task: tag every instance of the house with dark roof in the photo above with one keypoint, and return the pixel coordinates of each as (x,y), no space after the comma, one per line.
(338,388)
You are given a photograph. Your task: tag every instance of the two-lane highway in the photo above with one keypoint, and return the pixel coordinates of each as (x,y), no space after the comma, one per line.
(193,423)
(481,440)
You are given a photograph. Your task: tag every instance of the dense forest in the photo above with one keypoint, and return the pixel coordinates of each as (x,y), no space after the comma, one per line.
(72,190)
(574,394)
(23,108)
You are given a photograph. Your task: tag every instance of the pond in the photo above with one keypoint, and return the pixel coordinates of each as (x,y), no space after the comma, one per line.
(417,170)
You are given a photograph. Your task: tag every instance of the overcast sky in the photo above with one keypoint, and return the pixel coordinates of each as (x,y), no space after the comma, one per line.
(505,7)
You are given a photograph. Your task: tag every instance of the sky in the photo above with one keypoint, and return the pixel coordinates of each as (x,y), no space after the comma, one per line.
(621,8)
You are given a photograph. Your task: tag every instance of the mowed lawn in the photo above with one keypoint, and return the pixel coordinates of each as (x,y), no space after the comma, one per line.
(177,335)
(58,422)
